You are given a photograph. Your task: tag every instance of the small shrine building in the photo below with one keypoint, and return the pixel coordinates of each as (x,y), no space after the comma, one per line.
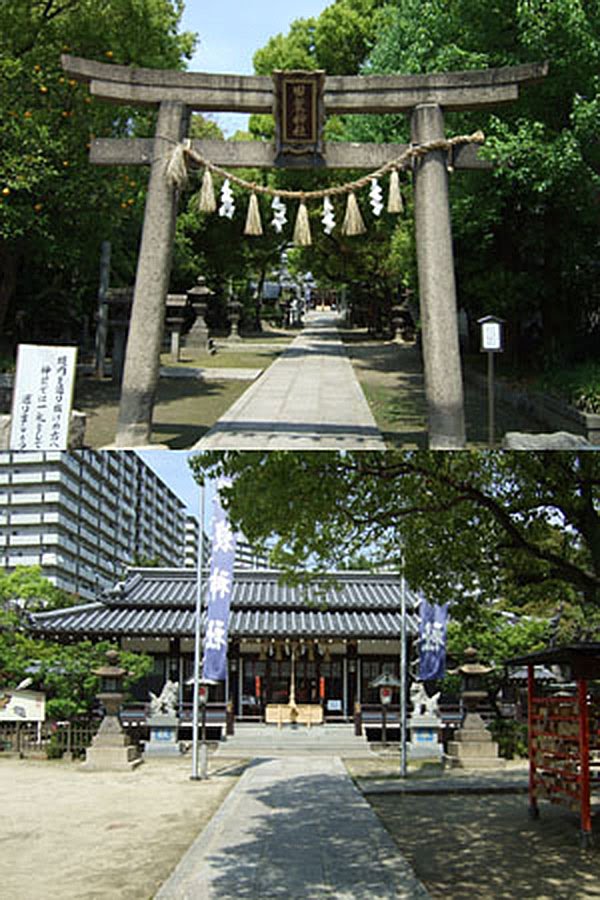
(336,635)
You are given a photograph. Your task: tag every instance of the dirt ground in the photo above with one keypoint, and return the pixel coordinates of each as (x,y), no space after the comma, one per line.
(391,377)
(68,834)
(185,409)
(483,847)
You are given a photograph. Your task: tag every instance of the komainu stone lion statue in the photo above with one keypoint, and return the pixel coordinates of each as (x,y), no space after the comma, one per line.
(166,702)
(421,703)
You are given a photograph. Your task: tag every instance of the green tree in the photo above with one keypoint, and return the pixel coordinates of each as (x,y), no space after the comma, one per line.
(526,235)
(524,527)
(229,260)
(27,588)
(338,40)
(55,208)
(64,671)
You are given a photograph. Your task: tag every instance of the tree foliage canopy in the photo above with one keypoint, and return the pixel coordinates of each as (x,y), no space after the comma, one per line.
(63,671)
(523,527)
(338,40)
(526,235)
(55,208)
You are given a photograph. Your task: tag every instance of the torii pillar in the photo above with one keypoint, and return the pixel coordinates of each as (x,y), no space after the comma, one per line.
(437,285)
(142,358)
(423,97)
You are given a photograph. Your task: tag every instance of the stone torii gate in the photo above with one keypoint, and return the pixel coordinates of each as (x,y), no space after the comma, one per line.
(176,94)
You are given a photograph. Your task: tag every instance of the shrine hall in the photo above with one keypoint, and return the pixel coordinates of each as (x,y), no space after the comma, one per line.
(319,645)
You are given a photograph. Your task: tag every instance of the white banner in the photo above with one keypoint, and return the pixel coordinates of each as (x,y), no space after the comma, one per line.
(42,397)
(22,706)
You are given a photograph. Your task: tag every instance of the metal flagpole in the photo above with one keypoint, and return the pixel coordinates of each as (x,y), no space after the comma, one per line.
(198,642)
(403,675)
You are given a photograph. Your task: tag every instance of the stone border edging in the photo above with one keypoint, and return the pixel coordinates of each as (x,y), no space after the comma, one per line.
(444,787)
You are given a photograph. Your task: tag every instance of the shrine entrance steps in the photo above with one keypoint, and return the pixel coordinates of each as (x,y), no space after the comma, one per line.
(257,740)
(308,399)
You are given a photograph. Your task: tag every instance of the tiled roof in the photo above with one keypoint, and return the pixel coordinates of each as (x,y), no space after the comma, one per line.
(258,590)
(155,602)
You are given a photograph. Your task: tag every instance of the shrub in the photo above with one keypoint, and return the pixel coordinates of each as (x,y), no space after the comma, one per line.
(579,385)
(511,737)
(53,748)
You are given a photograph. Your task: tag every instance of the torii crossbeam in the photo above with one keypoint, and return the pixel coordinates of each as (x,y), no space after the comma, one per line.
(177,94)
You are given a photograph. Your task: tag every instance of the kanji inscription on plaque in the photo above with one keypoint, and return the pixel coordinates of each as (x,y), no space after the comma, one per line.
(299,112)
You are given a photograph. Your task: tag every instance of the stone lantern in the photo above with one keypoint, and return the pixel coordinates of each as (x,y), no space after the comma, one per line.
(397,321)
(473,690)
(234,308)
(198,296)
(473,747)
(110,749)
(111,683)
(119,302)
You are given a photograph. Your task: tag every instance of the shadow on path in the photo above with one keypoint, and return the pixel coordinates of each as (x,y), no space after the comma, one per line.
(487,848)
(307,837)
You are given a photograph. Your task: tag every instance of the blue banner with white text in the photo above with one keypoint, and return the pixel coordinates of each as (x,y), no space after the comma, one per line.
(432,641)
(220,585)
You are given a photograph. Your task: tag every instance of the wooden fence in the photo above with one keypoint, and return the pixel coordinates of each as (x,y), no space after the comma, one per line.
(52,739)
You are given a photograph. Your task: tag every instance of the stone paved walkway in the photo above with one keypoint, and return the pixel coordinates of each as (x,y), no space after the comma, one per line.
(309,399)
(293,828)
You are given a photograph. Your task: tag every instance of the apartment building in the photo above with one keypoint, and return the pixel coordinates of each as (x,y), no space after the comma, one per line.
(245,556)
(85,516)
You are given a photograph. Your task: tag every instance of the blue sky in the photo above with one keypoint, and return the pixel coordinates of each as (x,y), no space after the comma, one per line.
(231,31)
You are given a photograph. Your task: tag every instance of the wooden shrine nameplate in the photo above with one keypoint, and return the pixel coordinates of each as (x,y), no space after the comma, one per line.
(299,111)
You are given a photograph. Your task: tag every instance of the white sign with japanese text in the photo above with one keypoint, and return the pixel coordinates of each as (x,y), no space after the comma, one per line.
(42,397)
(22,706)
(491,336)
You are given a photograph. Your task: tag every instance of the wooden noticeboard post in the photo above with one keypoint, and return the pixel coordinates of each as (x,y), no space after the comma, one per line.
(492,342)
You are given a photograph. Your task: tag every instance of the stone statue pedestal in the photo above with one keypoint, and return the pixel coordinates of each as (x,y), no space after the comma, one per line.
(163,736)
(473,747)
(110,749)
(424,737)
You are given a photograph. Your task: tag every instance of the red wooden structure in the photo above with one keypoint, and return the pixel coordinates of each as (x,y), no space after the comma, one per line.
(564,733)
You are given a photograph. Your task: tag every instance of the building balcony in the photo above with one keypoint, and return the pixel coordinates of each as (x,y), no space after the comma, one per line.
(22,558)
(87,555)
(70,463)
(26,477)
(24,498)
(31,518)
